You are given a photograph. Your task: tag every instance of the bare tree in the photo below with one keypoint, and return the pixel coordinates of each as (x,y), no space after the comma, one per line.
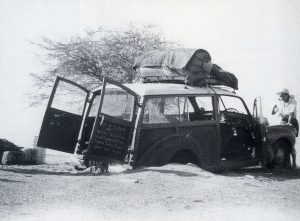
(99,53)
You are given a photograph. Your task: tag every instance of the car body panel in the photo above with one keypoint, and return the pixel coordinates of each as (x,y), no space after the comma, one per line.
(278,132)
(163,142)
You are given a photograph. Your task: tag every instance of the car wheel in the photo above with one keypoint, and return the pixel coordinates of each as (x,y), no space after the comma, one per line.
(282,155)
(184,157)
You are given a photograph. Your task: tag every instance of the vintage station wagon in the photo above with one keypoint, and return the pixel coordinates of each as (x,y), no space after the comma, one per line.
(159,123)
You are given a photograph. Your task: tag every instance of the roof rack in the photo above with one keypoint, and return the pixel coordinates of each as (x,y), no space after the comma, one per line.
(165,79)
(225,88)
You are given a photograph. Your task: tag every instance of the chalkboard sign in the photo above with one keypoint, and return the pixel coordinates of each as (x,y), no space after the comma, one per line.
(110,141)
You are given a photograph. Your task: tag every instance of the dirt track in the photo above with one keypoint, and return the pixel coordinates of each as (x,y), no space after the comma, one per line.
(55,191)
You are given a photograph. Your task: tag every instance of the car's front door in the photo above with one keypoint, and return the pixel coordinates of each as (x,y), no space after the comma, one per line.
(112,132)
(236,129)
(63,116)
(263,149)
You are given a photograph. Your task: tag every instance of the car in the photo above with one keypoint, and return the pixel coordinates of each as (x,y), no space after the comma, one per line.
(153,124)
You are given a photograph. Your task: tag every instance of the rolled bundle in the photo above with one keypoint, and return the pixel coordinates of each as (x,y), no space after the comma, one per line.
(191,66)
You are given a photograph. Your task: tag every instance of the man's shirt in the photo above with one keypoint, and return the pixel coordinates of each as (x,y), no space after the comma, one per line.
(285,109)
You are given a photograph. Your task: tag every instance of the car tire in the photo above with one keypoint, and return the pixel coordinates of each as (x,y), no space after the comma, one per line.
(184,157)
(282,155)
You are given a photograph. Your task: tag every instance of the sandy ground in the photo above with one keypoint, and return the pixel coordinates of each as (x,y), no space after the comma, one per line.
(55,191)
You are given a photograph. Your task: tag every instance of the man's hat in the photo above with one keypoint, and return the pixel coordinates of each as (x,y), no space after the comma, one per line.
(284,91)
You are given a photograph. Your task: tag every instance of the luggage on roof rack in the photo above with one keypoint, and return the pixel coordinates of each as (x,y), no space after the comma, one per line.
(190,66)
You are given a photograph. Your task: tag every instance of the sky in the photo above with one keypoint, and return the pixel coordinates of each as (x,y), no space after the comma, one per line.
(257,40)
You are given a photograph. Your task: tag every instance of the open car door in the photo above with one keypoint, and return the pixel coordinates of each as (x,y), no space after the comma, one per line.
(257,111)
(63,117)
(264,149)
(113,129)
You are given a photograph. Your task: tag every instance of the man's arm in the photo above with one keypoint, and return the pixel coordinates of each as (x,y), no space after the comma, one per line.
(275,109)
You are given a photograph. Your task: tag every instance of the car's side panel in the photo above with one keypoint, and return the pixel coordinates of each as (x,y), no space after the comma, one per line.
(158,145)
(162,152)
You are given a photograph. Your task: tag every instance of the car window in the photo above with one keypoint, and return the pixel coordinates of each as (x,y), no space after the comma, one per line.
(118,103)
(205,103)
(161,110)
(69,98)
(177,109)
(232,104)
(198,108)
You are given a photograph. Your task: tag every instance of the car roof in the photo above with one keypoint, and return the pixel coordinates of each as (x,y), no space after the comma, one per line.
(152,89)
(149,89)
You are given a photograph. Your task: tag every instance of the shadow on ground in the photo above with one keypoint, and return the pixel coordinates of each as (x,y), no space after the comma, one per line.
(162,170)
(258,172)
(10,181)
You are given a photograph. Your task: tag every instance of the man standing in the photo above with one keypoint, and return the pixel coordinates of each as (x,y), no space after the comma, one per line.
(287,110)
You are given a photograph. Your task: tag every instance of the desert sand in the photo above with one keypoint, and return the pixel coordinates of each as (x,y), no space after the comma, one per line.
(56,191)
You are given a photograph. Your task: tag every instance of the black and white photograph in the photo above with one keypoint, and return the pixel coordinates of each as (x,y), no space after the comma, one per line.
(149,110)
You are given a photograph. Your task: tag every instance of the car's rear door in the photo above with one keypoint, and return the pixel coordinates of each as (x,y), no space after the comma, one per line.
(63,116)
(112,132)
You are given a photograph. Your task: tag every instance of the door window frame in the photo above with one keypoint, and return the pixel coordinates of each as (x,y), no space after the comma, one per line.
(219,99)
(54,89)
